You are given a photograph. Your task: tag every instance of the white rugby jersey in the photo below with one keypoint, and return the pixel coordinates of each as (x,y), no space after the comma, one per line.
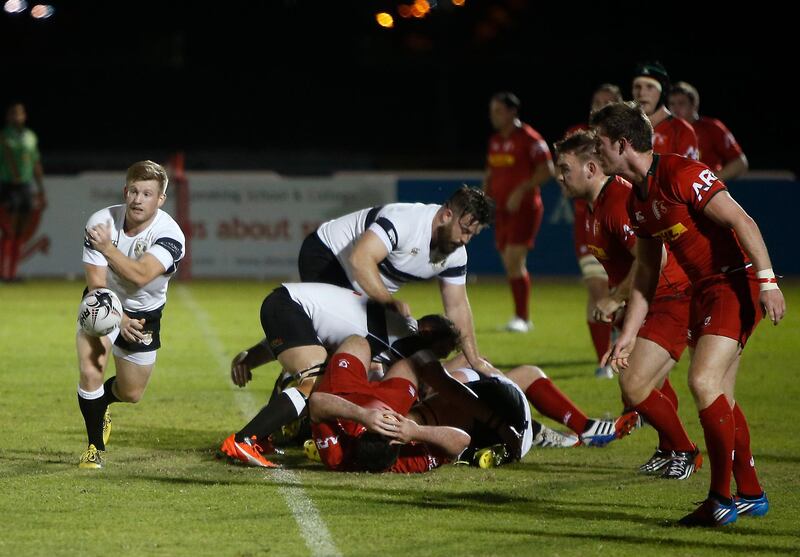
(163,240)
(405,229)
(337,313)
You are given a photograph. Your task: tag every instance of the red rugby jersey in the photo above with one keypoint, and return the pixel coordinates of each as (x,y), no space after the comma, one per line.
(675,135)
(671,208)
(610,238)
(718,147)
(513,160)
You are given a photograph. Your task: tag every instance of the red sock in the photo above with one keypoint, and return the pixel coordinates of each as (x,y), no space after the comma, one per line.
(521,291)
(667,390)
(5,258)
(660,413)
(601,337)
(719,431)
(13,261)
(550,401)
(744,469)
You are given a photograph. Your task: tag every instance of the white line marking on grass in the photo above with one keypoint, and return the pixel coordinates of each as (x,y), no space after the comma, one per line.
(315,534)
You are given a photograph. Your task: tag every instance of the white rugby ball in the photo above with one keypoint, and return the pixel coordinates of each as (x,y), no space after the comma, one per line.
(100,312)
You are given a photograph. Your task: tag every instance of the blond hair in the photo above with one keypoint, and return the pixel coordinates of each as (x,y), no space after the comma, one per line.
(147,170)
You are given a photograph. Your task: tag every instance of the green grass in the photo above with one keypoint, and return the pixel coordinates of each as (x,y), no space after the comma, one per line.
(163,492)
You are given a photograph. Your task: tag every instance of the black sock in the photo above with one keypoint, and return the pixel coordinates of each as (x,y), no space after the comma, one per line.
(109,395)
(93,411)
(280,411)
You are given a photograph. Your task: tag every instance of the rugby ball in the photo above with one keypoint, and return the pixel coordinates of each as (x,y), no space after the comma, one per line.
(100,312)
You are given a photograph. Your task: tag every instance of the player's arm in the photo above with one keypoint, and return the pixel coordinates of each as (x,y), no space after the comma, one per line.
(457,309)
(608,305)
(431,372)
(137,271)
(368,252)
(487,180)
(324,407)
(543,172)
(734,160)
(734,168)
(724,211)
(451,440)
(649,257)
(246,360)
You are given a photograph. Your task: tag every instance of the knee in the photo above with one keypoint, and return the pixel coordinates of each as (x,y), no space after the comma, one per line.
(533,373)
(633,386)
(703,385)
(131,396)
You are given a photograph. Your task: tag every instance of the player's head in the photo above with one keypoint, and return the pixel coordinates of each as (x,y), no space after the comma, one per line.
(144,171)
(16,115)
(503,110)
(440,334)
(684,101)
(577,164)
(463,216)
(145,191)
(619,128)
(435,333)
(374,453)
(650,86)
(606,93)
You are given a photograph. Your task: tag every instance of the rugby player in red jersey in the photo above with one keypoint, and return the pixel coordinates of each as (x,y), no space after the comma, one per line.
(594,276)
(518,163)
(651,86)
(662,338)
(681,203)
(345,406)
(718,148)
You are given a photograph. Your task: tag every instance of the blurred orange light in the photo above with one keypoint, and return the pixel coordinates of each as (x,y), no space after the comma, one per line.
(384,20)
(422,6)
(459,2)
(404,10)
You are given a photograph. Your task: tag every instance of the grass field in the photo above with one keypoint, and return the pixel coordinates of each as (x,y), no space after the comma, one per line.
(163,492)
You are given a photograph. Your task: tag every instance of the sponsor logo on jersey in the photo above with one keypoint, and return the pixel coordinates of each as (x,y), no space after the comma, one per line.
(501,159)
(708,179)
(139,248)
(659,209)
(344,363)
(672,233)
(326,442)
(639,216)
(598,252)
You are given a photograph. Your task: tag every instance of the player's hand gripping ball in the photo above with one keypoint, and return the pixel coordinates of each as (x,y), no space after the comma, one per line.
(100,312)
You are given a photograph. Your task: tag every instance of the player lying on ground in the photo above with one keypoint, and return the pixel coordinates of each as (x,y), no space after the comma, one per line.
(301,322)
(345,406)
(550,401)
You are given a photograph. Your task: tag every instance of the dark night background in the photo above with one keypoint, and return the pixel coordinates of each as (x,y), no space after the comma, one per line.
(309,86)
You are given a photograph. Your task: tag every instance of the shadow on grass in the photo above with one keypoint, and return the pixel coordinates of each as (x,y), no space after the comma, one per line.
(691,545)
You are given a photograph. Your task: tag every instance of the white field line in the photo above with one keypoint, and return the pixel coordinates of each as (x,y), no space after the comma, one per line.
(313,529)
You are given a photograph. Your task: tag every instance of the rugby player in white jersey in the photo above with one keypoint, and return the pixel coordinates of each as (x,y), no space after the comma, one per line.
(134,250)
(377,250)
